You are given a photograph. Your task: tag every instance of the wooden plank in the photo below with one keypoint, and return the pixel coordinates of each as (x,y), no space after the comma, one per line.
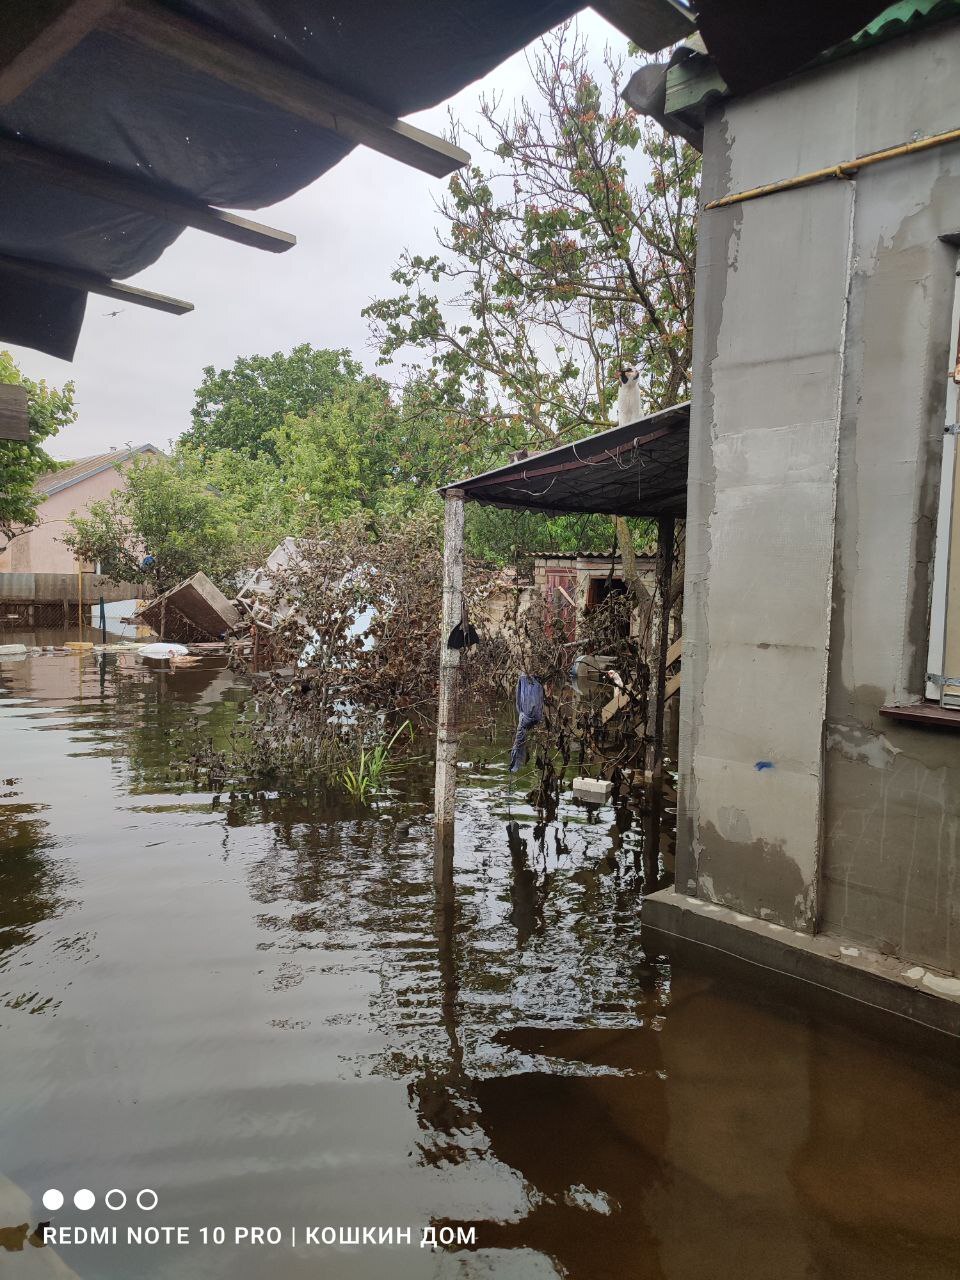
(671,687)
(36,34)
(225,59)
(614,706)
(90,282)
(448,719)
(675,651)
(14,419)
(929,715)
(91,178)
(665,527)
(651,24)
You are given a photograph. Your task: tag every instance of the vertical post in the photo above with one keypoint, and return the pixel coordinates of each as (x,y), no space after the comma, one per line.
(664,580)
(80,598)
(103,621)
(448,726)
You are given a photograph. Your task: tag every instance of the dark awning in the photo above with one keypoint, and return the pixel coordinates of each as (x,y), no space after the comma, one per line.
(637,470)
(758,42)
(118,119)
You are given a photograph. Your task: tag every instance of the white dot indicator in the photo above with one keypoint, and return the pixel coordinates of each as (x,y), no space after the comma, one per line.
(147,1191)
(84,1199)
(53,1199)
(115,1199)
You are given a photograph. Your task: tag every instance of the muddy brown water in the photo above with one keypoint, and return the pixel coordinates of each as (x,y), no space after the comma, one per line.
(256,1008)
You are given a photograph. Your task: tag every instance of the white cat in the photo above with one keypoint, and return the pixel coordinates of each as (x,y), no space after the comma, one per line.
(628,396)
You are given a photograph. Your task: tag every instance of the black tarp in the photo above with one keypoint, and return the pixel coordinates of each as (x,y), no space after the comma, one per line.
(635,470)
(758,42)
(119,103)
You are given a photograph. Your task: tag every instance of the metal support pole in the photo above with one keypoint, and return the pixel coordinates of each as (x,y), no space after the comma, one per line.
(103,622)
(448,727)
(664,577)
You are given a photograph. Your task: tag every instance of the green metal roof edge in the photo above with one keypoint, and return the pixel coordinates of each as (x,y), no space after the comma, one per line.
(695,81)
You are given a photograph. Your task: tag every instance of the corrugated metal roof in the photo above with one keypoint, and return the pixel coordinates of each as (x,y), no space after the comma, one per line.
(897,20)
(84,468)
(635,470)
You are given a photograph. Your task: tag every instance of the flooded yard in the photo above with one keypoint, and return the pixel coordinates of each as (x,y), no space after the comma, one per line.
(255,1007)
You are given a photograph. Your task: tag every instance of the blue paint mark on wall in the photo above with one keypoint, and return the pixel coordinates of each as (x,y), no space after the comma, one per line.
(763,764)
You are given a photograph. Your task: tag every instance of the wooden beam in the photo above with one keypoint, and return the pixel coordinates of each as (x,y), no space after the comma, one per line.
(225,59)
(90,282)
(14,419)
(652,24)
(664,570)
(675,651)
(448,721)
(616,704)
(94,179)
(35,34)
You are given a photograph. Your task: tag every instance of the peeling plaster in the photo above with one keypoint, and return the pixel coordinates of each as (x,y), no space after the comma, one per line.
(859,744)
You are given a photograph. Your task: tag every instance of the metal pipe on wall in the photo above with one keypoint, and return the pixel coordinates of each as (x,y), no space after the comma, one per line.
(846,169)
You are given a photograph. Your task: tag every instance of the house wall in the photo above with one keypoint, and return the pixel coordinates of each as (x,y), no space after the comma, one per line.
(820,361)
(40,549)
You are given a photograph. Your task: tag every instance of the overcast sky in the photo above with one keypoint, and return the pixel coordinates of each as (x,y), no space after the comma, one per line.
(135,373)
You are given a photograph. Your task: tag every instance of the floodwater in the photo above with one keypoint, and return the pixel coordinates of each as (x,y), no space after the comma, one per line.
(256,1008)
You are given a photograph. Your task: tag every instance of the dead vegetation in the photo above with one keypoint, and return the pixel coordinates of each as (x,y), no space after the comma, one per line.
(351,623)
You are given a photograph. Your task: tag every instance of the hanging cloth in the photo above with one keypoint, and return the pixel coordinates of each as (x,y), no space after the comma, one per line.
(464,634)
(530,712)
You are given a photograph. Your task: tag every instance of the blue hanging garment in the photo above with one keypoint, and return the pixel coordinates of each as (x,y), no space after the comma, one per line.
(530,711)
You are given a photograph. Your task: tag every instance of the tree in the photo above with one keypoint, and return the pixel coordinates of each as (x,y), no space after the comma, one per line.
(21,462)
(556,265)
(162,527)
(238,408)
(336,461)
(315,470)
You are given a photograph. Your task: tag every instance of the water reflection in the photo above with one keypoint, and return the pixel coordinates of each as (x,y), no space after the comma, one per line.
(262,1006)
(32,884)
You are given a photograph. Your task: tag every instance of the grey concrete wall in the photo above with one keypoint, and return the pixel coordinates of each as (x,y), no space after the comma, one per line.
(820,362)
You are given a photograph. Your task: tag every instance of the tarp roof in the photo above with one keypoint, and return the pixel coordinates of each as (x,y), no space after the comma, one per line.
(126,92)
(636,470)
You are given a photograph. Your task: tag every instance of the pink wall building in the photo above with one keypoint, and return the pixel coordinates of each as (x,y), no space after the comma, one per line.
(67,492)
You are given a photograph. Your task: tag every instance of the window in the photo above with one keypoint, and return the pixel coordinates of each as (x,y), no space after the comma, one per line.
(943,660)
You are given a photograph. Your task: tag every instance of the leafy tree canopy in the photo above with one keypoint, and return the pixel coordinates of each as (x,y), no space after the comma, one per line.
(163,526)
(239,408)
(21,462)
(568,252)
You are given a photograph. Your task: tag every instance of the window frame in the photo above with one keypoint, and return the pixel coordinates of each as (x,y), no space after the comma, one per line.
(942,688)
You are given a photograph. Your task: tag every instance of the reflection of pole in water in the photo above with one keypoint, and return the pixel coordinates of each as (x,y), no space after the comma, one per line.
(652,823)
(445,914)
(523,890)
(441,1093)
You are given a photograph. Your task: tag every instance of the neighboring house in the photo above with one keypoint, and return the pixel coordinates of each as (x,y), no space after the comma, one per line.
(820,744)
(571,584)
(67,492)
